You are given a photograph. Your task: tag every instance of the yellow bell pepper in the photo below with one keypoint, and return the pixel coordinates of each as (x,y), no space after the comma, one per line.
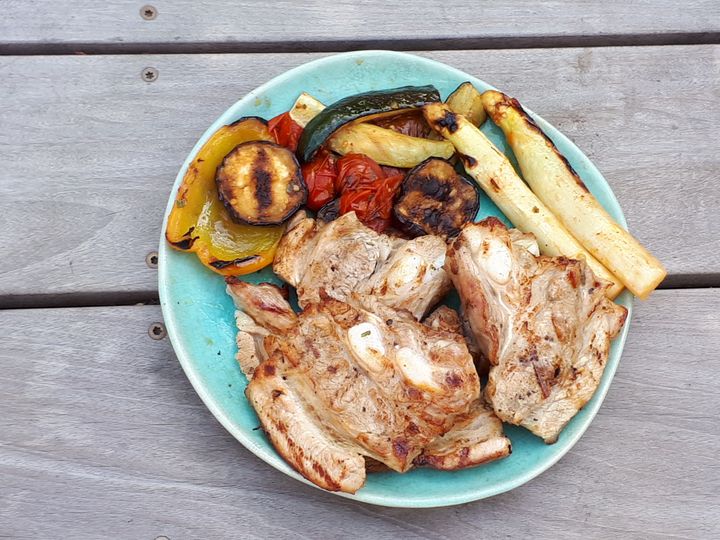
(200,223)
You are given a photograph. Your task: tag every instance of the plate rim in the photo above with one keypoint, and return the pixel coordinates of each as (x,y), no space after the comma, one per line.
(186,362)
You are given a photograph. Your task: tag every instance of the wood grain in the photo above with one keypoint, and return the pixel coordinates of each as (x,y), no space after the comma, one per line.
(91,151)
(258,25)
(102,436)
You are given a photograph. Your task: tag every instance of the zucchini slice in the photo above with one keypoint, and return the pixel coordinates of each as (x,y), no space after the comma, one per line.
(436,199)
(260,183)
(466,100)
(305,109)
(386,146)
(367,106)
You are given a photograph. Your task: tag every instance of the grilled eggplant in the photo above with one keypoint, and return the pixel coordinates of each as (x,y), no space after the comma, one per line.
(260,183)
(436,199)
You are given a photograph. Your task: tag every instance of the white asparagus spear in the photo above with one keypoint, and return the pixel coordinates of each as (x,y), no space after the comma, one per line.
(496,176)
(556,184)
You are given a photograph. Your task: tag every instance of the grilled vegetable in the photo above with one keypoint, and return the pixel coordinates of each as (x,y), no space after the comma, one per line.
(287,127)
(386,146)
(260,183)
(329,212)
(320,176)
(466,100)
(285,131)
(409,123)
(496,176)
(556,184)
(200,223)
(305,109)
(435,199)
(370,105)
(367,190)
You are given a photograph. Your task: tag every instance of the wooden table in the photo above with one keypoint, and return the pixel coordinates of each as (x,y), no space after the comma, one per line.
(102,436)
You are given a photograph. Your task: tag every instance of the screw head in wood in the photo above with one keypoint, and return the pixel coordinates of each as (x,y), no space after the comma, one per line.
(151,259)
(148,13)
(157,331)
(149,74)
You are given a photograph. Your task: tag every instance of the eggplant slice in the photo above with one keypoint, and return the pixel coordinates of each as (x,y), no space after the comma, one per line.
(260,183)
(436,199)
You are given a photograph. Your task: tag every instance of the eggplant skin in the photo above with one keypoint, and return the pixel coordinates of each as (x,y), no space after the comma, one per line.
(260,183)
(330,211)
(436,199)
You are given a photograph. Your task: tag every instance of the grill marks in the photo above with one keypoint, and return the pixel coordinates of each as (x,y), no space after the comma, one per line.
(436,199)
(447,121)
(260,183)
(263,180)
(507,102)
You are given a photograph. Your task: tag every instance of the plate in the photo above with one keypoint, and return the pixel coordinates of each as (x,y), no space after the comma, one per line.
(199,315)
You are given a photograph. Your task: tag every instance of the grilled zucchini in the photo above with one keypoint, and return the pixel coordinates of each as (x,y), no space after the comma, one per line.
(386,146)
(260,183)
(466,100)
(436,199)
(370,105)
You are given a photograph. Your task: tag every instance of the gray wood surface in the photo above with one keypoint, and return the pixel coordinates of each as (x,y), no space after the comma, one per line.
(259,25)
(102,436)
(90,152)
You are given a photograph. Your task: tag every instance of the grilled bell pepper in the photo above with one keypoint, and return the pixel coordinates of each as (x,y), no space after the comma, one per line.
(200,223)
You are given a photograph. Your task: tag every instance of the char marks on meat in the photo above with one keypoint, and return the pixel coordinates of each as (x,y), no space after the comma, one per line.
(475,438)
(342,257)
(262,310)
(349,381)
(544,323)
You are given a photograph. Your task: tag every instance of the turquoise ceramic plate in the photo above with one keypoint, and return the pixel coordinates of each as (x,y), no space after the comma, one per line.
(199,315)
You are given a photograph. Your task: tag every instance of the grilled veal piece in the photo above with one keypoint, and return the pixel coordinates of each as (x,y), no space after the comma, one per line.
(262,310)
(413,277)
(444,318)
(476,437)
(544,323)
(343,257)
(346,382)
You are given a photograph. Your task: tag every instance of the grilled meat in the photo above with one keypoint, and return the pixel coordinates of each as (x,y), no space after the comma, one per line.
(262,310)
(544,324)
(475,438)
(343,256)
(444,318)
(348,381)
(413,277)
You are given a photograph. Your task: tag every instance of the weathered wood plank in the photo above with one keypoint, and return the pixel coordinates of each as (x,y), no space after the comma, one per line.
(102,436)
(90,150)
(257,25)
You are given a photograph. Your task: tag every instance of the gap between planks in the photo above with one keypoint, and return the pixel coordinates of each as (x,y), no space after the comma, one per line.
(141,298)
(476,43)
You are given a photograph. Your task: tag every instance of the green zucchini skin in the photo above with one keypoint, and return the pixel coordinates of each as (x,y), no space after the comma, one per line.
(358,106)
